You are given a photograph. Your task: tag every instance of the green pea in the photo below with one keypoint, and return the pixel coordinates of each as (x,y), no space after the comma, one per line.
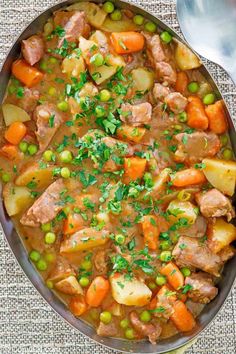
(138,20)
(108,7)
(224,140)
(86,265)
(100,111)
(145,316)
(178,127)
(152,285)
(6,177)
(49,284)
(150,27)
(32,149)
(105,317)
(193,87)
(97,59)
(129,333)
(63,106)
(166,37)
(66,156)
(52,91)
(46,227)
(23,146)
(124,323)
(209,99)
(105,95)
(165,256)
(50,238)
(160,280)
(43,65)
(164,245)
(50,257)
(185,271)
(183,117)
(53,60)
(34,256)
(47,155)
(41,265)
(84,281)
(116,15)
(65,172)
(120,239)
(227,154)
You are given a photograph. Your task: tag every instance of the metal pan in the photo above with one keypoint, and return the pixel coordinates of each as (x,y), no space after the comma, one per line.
(17,247)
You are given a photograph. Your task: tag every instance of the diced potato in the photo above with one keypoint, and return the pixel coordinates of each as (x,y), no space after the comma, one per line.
(100,38)
(115,309)
(220,234)
(85,45)
(104,72)
(185,58)
(70,286)
(12,113)
(143,79)
(83,240)
(16,199)
(73,66)
(159,184)
(178,210)
(221,174)
(32,173)
(89,90)
(130,292)
(130,133)
(95,14)
(123,25)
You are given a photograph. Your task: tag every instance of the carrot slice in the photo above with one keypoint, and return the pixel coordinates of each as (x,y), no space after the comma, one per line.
(97,291)
(127,132)
(127,42)
(9,151)
(197,117)
(174,276)
(77,305)
(182,317)
(217,117)
(188,177)
(181,82)
(134,168)
(150,231)
(28,75)
(15,133)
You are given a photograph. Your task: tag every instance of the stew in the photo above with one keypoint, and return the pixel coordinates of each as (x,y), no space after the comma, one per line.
(118,171)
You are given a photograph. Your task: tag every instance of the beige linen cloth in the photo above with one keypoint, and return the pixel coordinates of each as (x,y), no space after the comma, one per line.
(27,324)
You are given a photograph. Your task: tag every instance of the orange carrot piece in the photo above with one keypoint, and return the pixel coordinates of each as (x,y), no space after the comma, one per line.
(174,276)
(181,82)
(77,305)
(134,168)
(72,224)
(182,317)
(150,231)
(28,75)
(197,117)
(9,151)
(97,291)
(217,117)
(15,133)
(188,177)
(127,132)
(127,42)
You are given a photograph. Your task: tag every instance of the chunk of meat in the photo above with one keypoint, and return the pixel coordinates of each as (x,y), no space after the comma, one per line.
(107,330)
(158,59)
(75,26)
(30,99)
(194,147)
(136,115)
(160,91)
(32,49)
(152,331)
(227,253)
(198,229)
(46,207)
(118,145)
(48,120)
(61,270)
(100,261)
(214,204)
(176,102)
(191,252)
(202,288)
(160,118)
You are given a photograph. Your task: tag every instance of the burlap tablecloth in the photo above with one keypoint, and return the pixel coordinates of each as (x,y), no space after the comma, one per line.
(27,324)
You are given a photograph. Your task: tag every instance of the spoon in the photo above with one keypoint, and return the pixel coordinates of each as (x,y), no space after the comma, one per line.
(209,26)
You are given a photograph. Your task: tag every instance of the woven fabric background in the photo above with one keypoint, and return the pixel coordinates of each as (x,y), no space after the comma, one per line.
(27,324)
